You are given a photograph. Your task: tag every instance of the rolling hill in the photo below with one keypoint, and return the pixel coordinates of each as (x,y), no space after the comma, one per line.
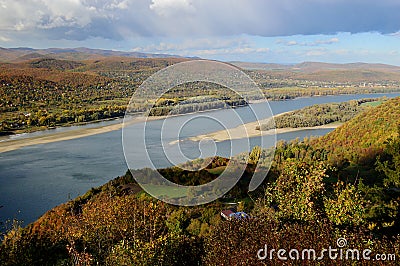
(22,54)
(309,67)
(328,72)
(361,138)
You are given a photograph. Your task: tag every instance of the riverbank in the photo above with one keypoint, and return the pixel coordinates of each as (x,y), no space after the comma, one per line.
(15,144)
(243,131)
(249,131)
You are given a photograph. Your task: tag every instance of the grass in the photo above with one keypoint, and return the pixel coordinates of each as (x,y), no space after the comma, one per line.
(217,170)
(116,101)
(161,190)
(372,104)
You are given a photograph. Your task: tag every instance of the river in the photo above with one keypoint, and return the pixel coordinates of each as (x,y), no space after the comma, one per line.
(36,178)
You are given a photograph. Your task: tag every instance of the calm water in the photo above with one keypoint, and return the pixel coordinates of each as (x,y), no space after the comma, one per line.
(36,178)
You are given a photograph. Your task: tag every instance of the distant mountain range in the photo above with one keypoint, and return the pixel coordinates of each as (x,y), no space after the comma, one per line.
(70,58)
(23,53)
(308,67)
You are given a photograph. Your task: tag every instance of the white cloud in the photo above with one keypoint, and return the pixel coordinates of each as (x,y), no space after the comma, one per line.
(204,47)
(397,34)
(4,39)
(329,41)
(172,7)
(313,43)
(234,51)
(195,44)
(125,19)
(119,5)
(30,14)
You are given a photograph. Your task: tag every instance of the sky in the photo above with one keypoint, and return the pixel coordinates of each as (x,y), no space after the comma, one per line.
(270,31)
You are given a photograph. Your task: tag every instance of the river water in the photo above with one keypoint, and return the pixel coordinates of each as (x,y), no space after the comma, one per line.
(36,178)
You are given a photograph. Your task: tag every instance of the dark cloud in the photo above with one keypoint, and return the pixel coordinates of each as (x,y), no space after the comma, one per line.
(120,19)
(291,17)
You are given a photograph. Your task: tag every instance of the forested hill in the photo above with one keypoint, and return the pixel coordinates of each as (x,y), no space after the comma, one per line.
(49,92)
(45,90)
(305,201)
(364,136)
(23,53)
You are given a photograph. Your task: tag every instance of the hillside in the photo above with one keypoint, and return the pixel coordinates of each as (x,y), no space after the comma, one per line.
(309,199)
(309,67)
(59,87)
(22,54)
(298,206)
(318,114)
(48,92)
(361,138)
(363,73)
(318,66)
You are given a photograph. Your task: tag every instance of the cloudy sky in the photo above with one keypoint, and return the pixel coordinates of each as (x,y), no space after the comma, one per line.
(280,31)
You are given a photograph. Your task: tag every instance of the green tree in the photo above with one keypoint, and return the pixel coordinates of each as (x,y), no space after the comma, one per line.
(298,191)
(389,162)
(255,155)
(346,206)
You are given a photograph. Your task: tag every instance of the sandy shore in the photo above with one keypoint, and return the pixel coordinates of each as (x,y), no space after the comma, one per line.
(249,130)
(242,131)
(14,144)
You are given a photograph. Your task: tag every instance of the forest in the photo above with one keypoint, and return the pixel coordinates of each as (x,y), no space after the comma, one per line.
(319,114)
(342,185)
(43,93)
